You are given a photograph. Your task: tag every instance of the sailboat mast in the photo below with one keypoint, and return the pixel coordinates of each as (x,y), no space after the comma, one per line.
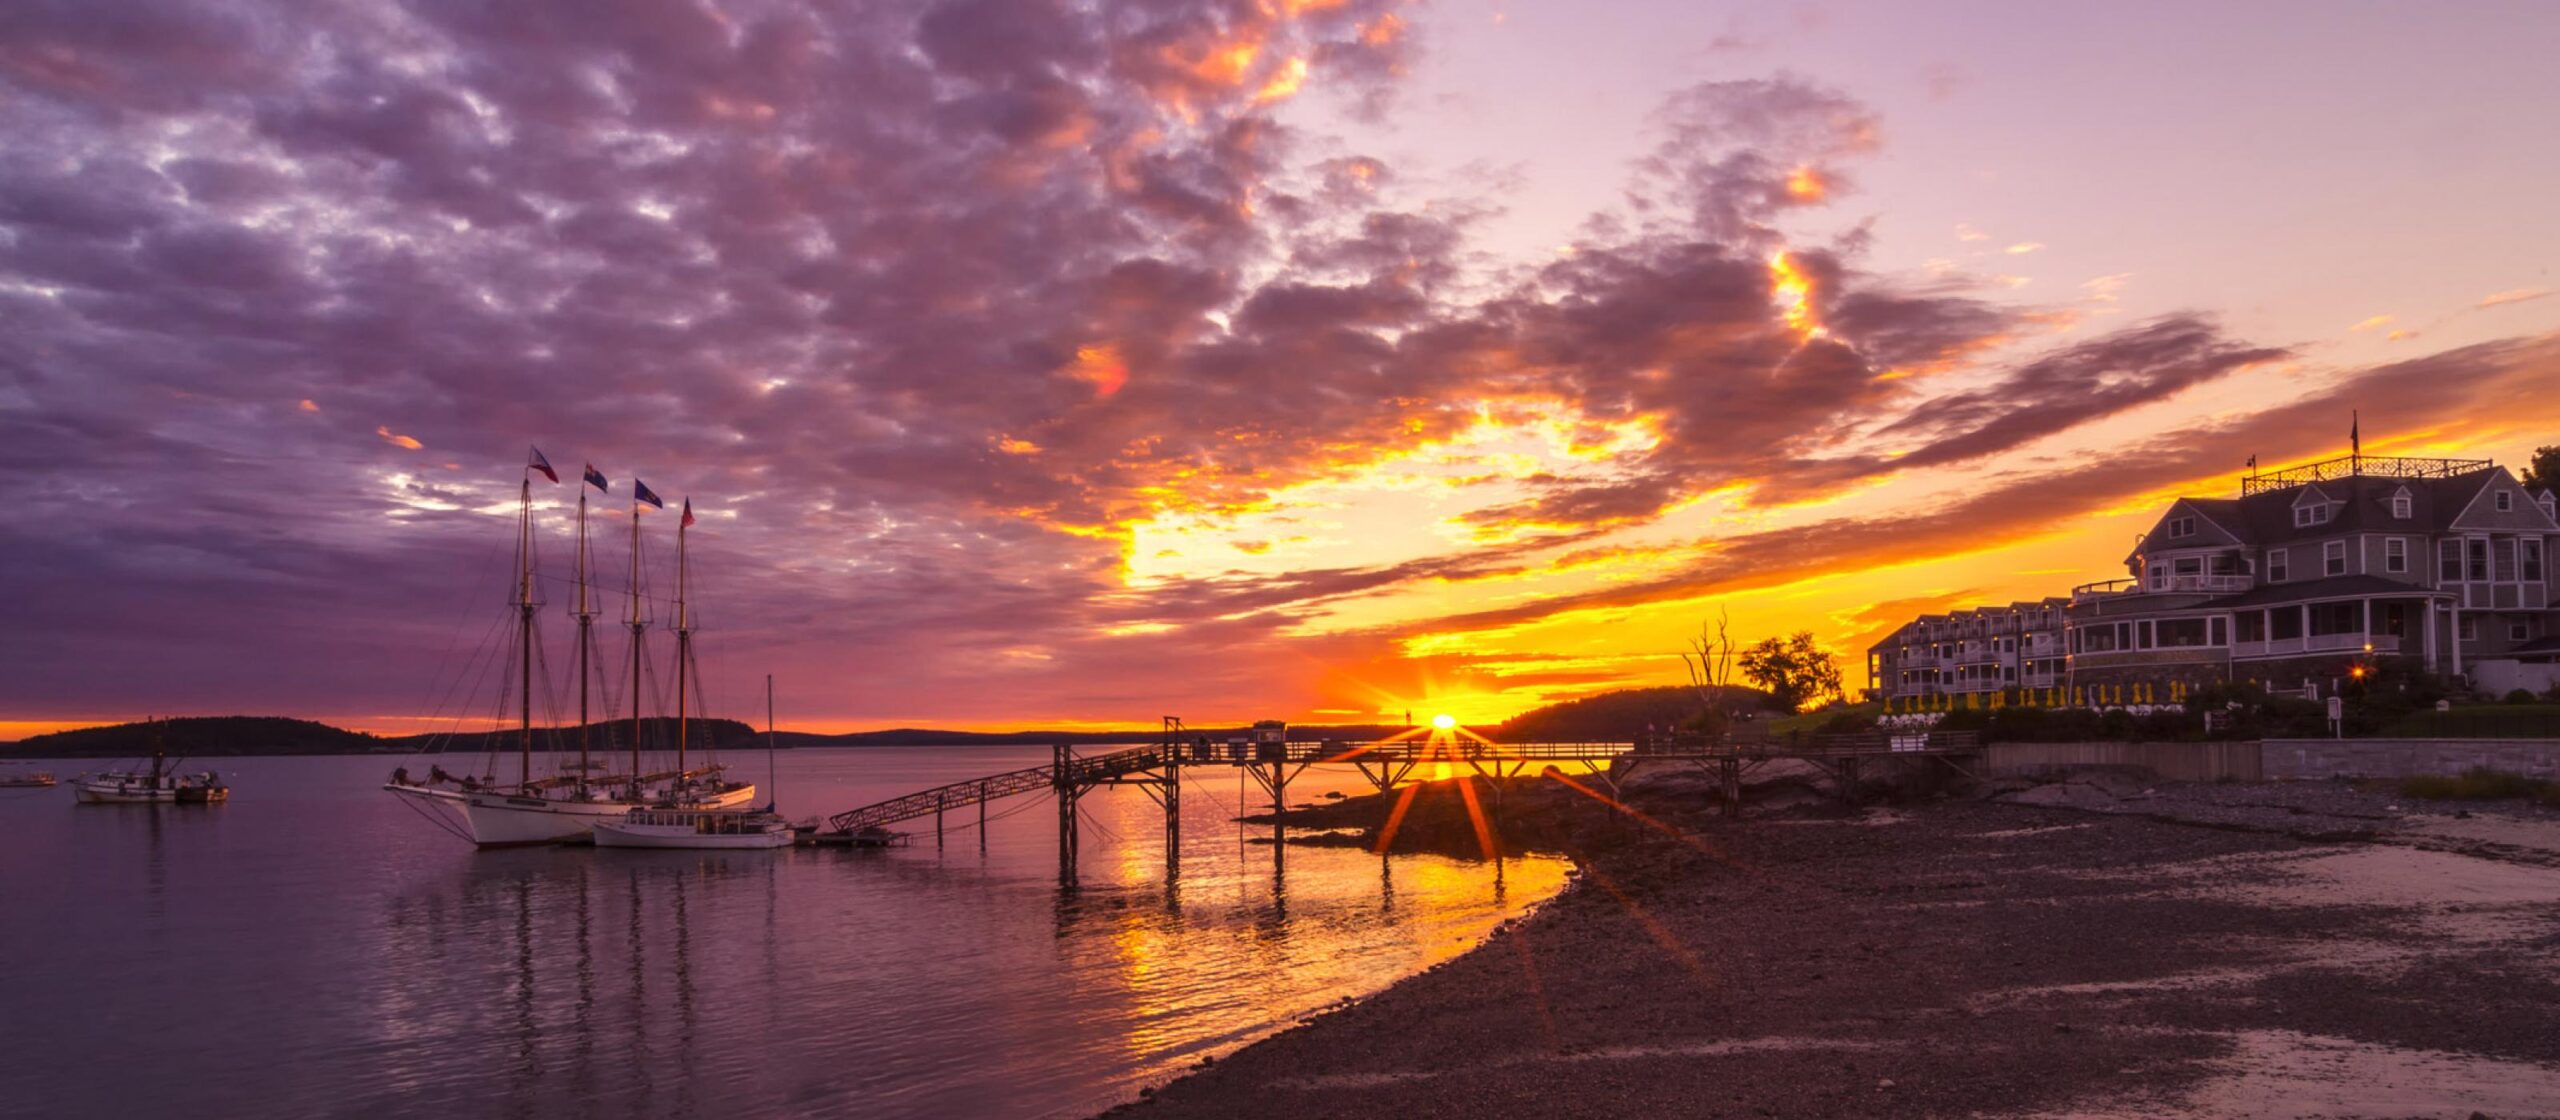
(637,627)
(772,784)
(586,632)
(524,629)
(684,646)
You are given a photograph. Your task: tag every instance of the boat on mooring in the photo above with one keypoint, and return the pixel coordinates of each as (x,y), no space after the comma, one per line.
(706,828)
(161,784)
(566,805)
(27,779)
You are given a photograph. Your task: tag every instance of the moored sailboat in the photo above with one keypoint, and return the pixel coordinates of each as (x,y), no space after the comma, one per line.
(564,806)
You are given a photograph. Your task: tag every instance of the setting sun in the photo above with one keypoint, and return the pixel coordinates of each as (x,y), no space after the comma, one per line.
(1444,721)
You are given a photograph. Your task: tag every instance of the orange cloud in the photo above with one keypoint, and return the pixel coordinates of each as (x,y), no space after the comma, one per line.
(396,439)
(1793,289)
(1805,184)
(1100,366)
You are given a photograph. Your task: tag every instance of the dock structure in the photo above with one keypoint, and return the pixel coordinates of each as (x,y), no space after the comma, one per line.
(1274,761)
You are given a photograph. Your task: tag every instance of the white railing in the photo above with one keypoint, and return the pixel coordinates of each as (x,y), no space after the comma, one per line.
(2194,584)
(2318,643)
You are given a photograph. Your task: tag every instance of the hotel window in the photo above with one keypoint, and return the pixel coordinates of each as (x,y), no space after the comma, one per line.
(2329,619)
(2333,557)
(2519,632)
(2449,561)
(2506,502)
(2395,554)
(2159,577)
(2470,628)
(2400,506)
(2477,569)
(2284,624)
(2275,565)
(2252,626)
(2183,633)
(2550,505)
(2142,634)
(2531,547)
(2182,526)
(2314,514)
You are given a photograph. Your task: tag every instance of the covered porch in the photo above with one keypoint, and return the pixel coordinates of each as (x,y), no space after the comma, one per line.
(2400,621)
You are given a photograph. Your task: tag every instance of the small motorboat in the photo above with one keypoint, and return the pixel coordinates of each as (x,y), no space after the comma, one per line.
(695,828)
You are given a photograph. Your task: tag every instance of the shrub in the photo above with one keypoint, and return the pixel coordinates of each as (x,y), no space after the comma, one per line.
(1846,722)
(2521,696)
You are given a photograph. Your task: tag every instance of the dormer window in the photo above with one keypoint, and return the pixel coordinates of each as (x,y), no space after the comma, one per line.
(2316,513)
(2182,526)
(2550,505)
(2400,506)
(2506,501)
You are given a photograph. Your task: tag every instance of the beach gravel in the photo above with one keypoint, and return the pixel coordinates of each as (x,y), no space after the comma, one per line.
(2123,949)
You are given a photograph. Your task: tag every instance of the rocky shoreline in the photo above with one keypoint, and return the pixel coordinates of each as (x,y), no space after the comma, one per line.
(2092,946)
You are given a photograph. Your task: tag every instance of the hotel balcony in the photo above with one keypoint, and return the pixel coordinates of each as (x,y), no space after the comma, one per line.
(2165,585)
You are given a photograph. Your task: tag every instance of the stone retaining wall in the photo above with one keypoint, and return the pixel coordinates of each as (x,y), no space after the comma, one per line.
(2400,758)
(2179,762)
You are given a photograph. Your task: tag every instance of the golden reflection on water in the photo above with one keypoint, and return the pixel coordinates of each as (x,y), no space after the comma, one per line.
(1277,943)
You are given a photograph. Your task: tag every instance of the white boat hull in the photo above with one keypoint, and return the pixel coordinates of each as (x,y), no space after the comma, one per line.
(621,834)
(123,793)
(502,820)
(499,820)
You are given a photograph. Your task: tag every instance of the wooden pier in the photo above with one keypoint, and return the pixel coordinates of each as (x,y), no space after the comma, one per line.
(1274,761)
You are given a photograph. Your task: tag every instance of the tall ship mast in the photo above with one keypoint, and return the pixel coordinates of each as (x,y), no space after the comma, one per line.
(539,808)
(586,616)
(684,634)
(638,621)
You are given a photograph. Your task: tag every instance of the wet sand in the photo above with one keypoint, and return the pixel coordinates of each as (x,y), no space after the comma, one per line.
(2108,949)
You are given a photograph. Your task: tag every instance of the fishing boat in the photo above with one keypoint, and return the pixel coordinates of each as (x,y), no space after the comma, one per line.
(566,805)
(162,784)
(695,828)
(706,828)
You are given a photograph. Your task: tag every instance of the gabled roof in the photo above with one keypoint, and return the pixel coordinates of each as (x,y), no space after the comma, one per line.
(2267,518)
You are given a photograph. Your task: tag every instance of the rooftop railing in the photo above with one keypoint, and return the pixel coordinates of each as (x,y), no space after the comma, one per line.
(2375,466)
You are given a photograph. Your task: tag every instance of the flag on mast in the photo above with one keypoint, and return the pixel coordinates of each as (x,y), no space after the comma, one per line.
(2355,433)
(595,478)
(640,493)
(688,514)
(544,465)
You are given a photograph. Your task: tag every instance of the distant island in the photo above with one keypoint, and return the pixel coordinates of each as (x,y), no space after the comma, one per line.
(1608,717)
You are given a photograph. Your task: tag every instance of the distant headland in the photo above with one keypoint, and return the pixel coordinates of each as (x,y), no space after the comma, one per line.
(1609,716)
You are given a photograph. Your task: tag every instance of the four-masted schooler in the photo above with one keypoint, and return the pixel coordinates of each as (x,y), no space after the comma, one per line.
(555,799)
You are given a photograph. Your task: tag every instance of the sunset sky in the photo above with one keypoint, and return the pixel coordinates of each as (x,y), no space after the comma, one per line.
(1043,364)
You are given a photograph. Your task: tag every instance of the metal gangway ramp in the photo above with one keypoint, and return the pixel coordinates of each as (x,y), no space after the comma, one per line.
(1066,772)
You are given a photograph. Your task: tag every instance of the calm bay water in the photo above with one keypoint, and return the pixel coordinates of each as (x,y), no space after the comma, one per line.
(314,948)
